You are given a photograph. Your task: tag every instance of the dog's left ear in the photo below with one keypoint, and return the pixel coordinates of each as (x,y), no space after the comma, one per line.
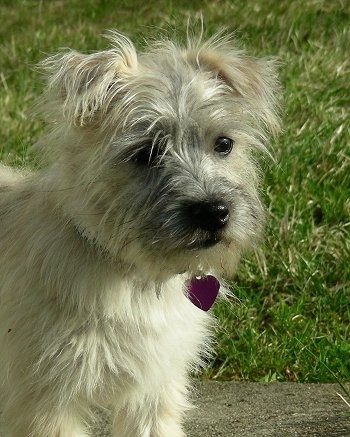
(85,86)
(244,77)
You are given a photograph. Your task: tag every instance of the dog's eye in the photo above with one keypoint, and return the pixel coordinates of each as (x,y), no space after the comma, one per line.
(147,154)
(223,146)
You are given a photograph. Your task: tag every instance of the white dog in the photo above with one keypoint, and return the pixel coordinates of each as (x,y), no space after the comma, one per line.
(149,193)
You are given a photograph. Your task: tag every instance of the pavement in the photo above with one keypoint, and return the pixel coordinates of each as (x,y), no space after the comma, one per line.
(226,409)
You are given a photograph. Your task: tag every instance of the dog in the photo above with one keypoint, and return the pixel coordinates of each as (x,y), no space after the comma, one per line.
(113,250)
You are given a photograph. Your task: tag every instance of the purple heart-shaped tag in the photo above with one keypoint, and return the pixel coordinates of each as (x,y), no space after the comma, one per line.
(202,291)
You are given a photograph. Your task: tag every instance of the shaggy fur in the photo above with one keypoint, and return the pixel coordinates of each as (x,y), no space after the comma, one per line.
(96,247)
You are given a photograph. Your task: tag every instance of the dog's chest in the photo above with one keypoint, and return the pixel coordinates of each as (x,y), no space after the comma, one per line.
(148,342)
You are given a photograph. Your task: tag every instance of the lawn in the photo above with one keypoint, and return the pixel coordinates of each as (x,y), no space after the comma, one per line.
(291,319)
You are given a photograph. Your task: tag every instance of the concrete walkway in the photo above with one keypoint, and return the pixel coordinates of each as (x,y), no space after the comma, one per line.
(228,409)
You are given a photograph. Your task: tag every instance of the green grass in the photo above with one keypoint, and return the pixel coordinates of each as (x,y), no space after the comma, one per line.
(293,319)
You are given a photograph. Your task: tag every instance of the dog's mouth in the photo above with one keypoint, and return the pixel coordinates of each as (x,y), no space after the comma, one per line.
(207,241)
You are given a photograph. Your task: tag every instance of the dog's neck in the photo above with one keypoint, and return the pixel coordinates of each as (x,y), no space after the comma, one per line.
(201,290)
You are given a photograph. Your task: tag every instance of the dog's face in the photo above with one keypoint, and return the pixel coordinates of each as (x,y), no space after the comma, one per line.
(159,150)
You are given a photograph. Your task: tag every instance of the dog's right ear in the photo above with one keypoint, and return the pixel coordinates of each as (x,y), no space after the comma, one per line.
(254,81)
(85,86)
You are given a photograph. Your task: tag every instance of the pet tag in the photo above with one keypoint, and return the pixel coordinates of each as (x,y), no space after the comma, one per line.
(202,291)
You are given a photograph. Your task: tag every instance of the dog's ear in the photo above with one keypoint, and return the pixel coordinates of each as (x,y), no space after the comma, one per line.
(254,80)
(85,86)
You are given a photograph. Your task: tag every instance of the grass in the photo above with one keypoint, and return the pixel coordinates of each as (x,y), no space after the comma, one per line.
(293,319)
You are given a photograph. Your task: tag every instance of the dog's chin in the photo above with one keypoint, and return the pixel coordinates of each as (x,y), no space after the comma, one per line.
(202,256)
(206,253)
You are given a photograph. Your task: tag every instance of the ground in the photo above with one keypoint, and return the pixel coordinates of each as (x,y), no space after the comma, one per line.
(228,409)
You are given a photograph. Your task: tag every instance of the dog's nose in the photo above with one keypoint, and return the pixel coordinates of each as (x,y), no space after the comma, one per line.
(209,216)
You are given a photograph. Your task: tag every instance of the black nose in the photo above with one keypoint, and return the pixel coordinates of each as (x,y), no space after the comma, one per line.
(209,216)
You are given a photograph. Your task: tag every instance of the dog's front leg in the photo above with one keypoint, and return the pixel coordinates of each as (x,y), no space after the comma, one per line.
(24,417)
(153,415)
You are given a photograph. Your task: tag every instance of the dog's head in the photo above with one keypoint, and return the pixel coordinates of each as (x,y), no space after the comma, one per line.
(157,150)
